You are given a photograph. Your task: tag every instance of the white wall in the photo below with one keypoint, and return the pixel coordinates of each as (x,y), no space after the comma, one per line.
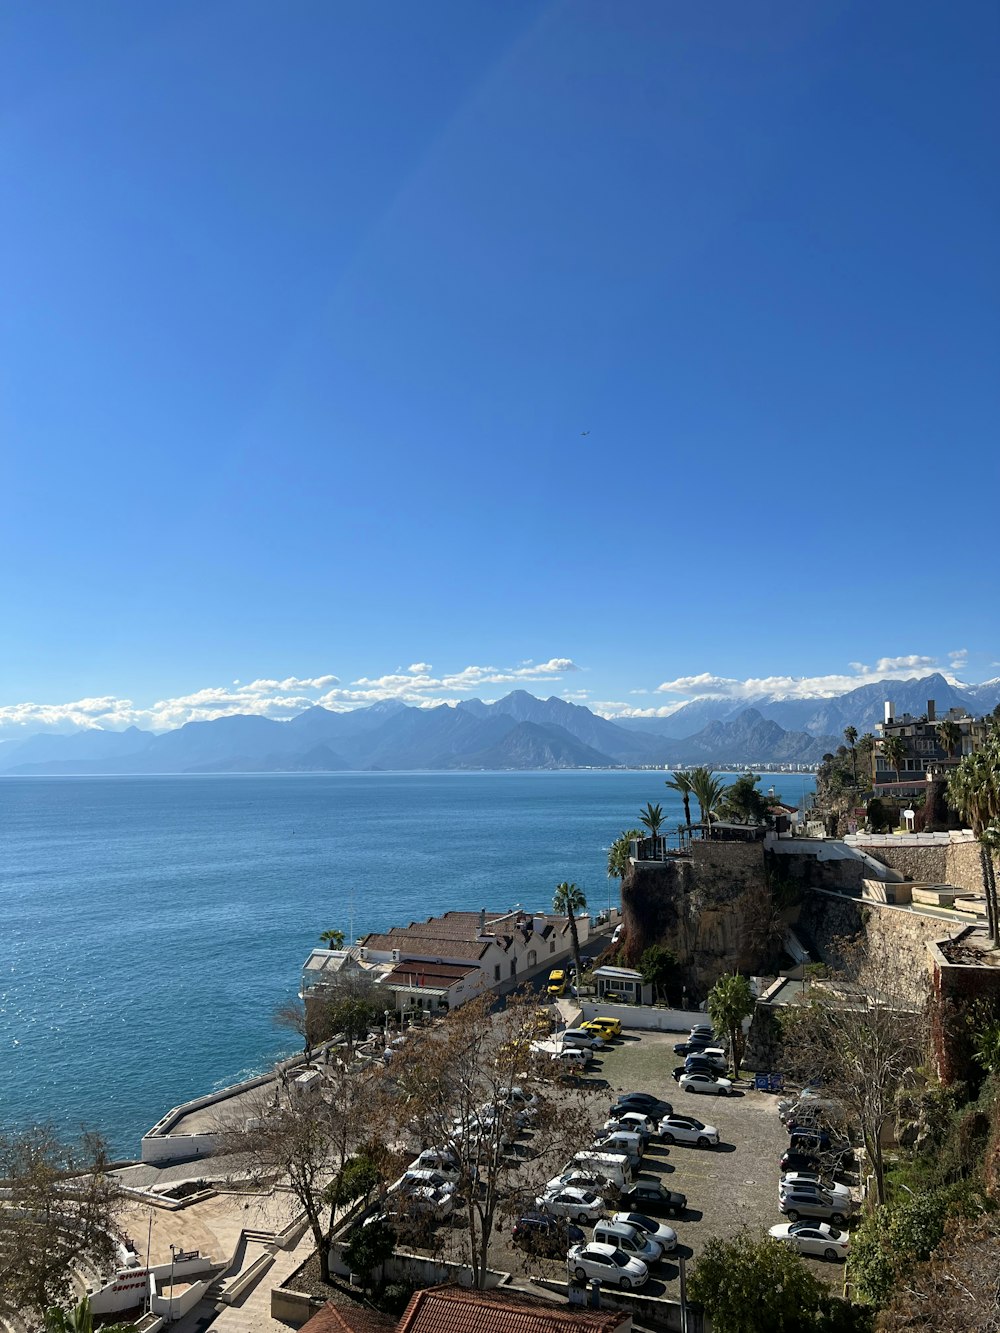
(637,1016)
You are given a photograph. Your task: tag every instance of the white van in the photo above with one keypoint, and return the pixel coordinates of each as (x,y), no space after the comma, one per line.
(613,1166)
(621,1141)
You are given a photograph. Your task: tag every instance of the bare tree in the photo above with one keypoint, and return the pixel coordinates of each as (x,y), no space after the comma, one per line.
(304,1139)
(958,1288)
(465,1087)
(60,1208)
(860,1034)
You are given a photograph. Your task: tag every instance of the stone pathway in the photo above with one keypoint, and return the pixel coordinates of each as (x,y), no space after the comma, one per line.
(253,1312)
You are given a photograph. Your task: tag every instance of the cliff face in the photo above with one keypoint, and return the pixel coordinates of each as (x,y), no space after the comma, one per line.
(712,909)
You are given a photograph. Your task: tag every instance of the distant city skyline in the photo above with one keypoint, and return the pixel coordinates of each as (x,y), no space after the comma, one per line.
(419,686)
(653,343)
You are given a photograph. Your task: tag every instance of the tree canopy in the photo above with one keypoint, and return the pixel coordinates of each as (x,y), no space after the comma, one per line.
(754,1284)
(744,803)
(731,1000)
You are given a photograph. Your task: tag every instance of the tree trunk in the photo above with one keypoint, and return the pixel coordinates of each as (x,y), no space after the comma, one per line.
(875,1152)
(986,867)
(687,809)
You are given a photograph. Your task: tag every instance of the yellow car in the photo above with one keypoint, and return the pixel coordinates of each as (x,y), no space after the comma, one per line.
(604,1027)
(557,982)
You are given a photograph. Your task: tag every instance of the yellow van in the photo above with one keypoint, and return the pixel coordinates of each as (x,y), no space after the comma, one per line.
(557,982)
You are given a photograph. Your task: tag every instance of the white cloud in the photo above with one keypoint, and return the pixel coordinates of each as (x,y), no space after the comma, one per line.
(612,709)
(708,686)
(273,698)
(914,662)
(959,658)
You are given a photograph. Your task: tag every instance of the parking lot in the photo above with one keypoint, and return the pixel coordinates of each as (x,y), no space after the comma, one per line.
(728,1186)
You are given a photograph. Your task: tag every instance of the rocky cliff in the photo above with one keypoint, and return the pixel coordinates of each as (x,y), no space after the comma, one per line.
(712,908)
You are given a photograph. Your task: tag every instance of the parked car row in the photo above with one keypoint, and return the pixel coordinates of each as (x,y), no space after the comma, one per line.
(627,1243)
(817,1207)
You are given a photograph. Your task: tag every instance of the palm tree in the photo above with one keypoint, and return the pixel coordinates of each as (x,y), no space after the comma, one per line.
(567,900)
(333,939)
(949,734)
(681,782)
(652,818)
(974,791)
(851,737)
(707,790)
(730,1001)
(618,853)
(894,750)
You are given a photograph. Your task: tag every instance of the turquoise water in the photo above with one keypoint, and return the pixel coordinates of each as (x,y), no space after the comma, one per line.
(149,926)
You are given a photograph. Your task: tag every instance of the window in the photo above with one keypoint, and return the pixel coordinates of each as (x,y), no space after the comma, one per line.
(513,967)
(552,946)
(496,972)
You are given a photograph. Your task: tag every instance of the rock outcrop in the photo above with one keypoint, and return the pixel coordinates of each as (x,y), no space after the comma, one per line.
(712,908)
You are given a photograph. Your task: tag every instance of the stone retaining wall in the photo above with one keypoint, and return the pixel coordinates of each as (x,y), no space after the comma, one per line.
(955,863)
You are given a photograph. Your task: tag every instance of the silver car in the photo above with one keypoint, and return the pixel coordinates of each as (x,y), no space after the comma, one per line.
(797,1201)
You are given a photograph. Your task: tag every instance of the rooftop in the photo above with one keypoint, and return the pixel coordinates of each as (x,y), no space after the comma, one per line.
(454,1309)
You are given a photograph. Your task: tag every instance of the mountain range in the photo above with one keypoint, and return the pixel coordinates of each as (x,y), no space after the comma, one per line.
(519,731)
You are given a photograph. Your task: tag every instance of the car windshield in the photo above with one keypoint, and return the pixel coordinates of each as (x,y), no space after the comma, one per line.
(619,1258)
(834,1234)
(641,1220)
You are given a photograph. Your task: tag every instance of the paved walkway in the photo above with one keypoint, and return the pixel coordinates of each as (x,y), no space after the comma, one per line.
(253,1312)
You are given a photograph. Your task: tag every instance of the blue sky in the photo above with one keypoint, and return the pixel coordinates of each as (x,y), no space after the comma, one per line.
(655,340)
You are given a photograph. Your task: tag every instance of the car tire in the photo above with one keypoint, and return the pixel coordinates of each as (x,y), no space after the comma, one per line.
(702,1142)
(830,1254)
(667,1138)
(625,1284)
(580,1275)
(792,1215)
(582,1217)
(838,1219)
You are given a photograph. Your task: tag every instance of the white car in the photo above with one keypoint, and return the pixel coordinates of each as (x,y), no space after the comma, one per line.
(581,1180)
(569,1201)
(814,1179)
(633,1122)
(813,1238)
(572,1057)
(616,936)
(686,1129)
(720,1087)
(421,1200)
(665,1237)
(480,1126)
(417,1179)
(606,1263)
(524,1101)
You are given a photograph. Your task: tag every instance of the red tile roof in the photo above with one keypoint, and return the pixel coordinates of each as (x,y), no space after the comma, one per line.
(348,1319)
(452,1309)
(431,974)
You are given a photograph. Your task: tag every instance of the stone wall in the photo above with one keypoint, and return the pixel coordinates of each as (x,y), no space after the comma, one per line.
(828,922)
(805,870)
(955,863)
(712,909)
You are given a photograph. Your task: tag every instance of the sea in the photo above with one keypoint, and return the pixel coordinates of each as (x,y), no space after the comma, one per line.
(150,926)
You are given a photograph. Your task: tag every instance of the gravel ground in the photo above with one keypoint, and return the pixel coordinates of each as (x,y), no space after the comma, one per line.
(726,1187)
